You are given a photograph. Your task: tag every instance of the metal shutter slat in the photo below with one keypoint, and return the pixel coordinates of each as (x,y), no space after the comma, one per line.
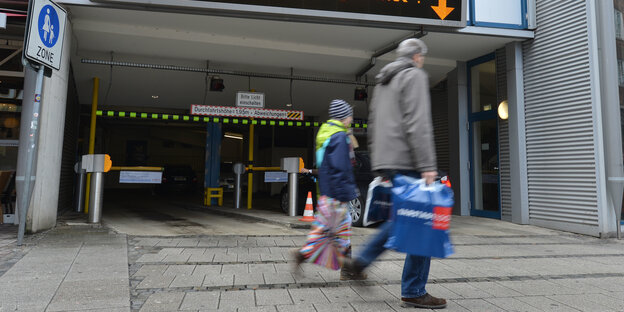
(559,120)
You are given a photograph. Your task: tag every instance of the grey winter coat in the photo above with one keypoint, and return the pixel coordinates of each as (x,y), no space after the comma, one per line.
(400,132)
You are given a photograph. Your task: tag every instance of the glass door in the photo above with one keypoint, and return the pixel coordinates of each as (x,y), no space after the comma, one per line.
(484,167)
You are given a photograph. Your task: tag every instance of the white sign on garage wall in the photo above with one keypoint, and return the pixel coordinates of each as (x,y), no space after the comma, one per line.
(261,113)
(272,177)
(3,20)
(250,99)
(46,33)
(142,177)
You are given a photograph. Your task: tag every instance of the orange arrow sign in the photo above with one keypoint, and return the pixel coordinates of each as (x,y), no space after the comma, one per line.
(442,10)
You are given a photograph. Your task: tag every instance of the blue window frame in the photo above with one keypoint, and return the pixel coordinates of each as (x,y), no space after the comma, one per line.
(476,117)
(524,25)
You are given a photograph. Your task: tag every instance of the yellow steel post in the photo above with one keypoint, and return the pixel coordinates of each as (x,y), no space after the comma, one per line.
(250,175)
(94,104)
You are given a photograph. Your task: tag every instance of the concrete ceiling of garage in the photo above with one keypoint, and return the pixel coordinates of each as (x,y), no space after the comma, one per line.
(239,44)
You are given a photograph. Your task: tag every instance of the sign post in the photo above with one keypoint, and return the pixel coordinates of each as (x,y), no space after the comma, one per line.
(45,32)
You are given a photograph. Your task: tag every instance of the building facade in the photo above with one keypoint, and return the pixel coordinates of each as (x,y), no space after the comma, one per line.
(524,92)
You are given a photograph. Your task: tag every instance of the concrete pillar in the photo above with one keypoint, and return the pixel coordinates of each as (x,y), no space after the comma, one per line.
(458,138)
(44,202)
(611,123)
(517,138)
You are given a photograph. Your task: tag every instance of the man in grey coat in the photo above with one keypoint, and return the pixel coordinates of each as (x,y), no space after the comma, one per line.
(401,142)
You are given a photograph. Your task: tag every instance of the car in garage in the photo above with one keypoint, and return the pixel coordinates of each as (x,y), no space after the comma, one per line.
(178,178)
(307,183)
(227,178)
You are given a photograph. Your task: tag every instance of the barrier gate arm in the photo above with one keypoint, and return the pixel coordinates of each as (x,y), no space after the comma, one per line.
(251,168)
(136,168)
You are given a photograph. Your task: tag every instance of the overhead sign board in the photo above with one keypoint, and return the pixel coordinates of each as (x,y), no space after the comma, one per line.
(228,111)
(451,13)
(450,10)
(250,99)
(46,31)
(432,12)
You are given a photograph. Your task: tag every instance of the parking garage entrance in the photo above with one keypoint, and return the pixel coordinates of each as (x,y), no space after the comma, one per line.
(183,149)
(182,145)
(155,64)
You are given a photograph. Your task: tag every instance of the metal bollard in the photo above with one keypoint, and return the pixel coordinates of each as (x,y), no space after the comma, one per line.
(80,186)
(292,166)
(96,197)
(96,165)
(239,169)
(292,194)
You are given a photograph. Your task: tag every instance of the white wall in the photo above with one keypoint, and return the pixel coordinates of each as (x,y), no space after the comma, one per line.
(499,11)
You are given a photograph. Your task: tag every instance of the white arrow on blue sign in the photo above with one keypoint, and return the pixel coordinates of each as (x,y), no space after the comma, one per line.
(45,35)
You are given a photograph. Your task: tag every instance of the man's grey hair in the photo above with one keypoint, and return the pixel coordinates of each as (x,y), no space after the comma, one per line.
(410,47)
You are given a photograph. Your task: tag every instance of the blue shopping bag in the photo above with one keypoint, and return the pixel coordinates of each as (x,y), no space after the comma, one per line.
(421,216)
(378,201)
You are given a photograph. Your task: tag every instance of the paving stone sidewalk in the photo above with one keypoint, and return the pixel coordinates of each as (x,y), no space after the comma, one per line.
(498,266)
(522,268)
(9,252)
(78,268)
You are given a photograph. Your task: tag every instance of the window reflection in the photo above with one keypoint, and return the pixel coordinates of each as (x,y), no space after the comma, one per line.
(483,87)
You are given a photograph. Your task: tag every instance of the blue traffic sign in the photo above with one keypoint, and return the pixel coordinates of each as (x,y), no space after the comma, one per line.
(48,26)
(45,33)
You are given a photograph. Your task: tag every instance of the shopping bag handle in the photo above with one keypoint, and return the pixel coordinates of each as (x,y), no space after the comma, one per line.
(422,184)
(427,187)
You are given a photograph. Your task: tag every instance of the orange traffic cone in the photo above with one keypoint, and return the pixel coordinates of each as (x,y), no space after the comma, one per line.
(308,213)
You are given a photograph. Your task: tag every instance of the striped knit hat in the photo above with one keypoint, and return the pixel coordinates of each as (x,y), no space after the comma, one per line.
(339,109)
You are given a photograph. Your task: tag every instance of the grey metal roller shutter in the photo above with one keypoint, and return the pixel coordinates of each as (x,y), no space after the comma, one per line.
(439,112)
(72,115)
(504,162)
(560,141)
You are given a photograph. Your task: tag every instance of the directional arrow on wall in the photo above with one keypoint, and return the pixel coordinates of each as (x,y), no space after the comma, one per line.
(442,10)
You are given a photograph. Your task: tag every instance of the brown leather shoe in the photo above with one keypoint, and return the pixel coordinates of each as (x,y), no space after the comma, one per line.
(425,301)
